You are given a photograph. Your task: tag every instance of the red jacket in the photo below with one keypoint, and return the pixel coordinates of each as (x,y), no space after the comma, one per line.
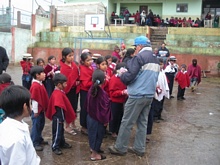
(39,94)
(194,71)
(72,74)
(85,77)
(105,85)
(26,66)
(48,69)
(59,99)
(116,88)
(183,79)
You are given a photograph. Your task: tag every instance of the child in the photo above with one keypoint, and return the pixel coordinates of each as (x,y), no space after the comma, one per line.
(50,70)
(118,96)
(86,71)
(182,78)
(40,62)
(69,68)
(5,81)
(59,110)
(15,142)
(39,100)
(99,114)
(170,72)
(111,64)
(116,52)
(102,65)
(26,65)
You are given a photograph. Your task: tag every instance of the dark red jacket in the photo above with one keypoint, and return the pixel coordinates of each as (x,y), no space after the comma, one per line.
(72,74)
(85,77)
(26,66)
(39,94)
(183,79)
(59,99)
(116,88)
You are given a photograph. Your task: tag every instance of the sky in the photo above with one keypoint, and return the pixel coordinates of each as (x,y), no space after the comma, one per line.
(27,4)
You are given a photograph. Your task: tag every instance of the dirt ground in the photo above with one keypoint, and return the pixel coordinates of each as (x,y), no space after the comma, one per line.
(189,135)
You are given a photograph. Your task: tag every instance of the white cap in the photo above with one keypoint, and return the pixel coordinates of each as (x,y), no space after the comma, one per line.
(27,55)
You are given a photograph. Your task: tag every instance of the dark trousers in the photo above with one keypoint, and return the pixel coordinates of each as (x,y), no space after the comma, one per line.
(96,131)
(181,92)
(170,77)
(117,114)
(73,98)
(83,112)
(49,85)
(58,129)
(26,81)
(150,119)
(158,107)
(37,128)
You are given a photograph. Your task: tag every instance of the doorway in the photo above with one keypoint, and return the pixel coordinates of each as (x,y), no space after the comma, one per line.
(145,8)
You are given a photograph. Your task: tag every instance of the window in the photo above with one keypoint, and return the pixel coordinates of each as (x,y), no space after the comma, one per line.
(183,8)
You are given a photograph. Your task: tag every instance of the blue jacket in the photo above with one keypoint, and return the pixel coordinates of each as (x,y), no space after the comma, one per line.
(142,74)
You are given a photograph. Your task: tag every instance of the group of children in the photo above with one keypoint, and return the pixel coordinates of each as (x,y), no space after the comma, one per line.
(102,97)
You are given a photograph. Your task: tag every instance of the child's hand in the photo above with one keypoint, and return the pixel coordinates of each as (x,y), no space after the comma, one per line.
(125,92)
(77,83)
(36,114)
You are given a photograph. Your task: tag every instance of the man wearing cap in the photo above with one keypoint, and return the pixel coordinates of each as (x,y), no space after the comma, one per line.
(4,61)
(141,79)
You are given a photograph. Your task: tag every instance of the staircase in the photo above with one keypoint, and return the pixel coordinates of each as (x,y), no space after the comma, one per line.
(158,36)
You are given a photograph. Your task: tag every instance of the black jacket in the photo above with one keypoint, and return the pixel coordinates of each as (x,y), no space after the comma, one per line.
(4,61)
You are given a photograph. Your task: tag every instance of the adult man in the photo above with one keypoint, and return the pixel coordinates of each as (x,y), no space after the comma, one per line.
(141,78)
(3,60)
(194,71)
(164,53)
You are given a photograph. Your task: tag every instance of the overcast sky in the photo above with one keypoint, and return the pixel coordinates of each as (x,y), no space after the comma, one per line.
(27,4)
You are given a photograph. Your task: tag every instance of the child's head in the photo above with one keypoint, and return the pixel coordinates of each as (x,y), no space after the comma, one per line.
(27,57)
(119,66)
(40,62)
(86,59)
(98,78)
(37,72)
(183,67)
(5,78)
(60,81)
(114,59)
(130,52)
(67,55)
(15,101)
(172,59)
(101,63)
(51,60)
(116,48)
(108,59)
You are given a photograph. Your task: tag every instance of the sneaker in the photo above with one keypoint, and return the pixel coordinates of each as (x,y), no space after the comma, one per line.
(171,97)
(38,148)
(66,146)
(114,151)
(178,98)
(44,142)
(183,98)
(57,151)
(133,151)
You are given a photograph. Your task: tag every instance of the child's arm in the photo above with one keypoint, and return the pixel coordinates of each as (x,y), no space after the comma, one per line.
(35,108)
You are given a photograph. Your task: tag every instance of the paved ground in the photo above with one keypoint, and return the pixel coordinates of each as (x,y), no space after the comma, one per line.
(190,135)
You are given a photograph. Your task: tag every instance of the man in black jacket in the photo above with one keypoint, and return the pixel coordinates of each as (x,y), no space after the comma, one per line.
(4,61)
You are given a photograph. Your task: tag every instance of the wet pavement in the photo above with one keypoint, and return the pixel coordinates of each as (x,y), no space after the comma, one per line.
(189,135)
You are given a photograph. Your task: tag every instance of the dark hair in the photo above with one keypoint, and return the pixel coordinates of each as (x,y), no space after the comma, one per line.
(65,53)
(39,60)
(36,70)
(100,60)
(129,52)
(5,78)
(118,66)
(160,60)
(114,59)
(51,57)
(98,78)
(59,78)
(84,56)
(108,57)
(13,99)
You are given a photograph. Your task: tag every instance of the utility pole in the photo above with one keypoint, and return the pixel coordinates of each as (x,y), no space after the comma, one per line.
(10,4)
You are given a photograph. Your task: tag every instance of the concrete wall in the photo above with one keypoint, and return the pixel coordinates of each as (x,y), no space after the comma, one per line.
(5,41)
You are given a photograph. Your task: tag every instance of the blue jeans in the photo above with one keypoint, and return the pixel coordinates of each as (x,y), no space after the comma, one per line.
(96,132)
(136,111)
(193,81)
(37,128)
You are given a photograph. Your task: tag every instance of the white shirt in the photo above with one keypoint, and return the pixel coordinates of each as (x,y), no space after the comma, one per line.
(16,146)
